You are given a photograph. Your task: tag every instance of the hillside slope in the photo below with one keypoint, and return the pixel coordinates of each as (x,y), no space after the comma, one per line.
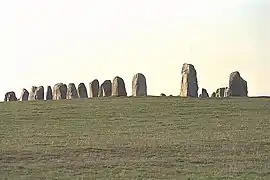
(153,137)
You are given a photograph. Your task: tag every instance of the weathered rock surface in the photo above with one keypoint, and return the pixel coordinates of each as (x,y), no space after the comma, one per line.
(204,94)
(189,83)
(32,93)
(39,93)
(72,92)
(10,96)
(59,91)
(105,89)
(237,85)
(118,87)
(139,87)
(49,94)
(82,91)
(213,94)
(24,95)
(94,88)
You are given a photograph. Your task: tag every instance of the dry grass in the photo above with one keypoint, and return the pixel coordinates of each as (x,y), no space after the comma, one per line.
(136,138)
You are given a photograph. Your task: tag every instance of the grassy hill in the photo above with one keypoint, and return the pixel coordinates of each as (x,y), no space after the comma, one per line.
(122,138)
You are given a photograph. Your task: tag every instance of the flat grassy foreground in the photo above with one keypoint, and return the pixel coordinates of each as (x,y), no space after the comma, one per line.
(136,138)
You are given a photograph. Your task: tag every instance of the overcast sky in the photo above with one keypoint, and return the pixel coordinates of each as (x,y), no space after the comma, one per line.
(45,42)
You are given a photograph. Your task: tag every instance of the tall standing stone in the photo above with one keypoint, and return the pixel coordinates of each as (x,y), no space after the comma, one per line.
(105,89)
(39,93)
(118,87)
(82,91)
(93,88)
(237,85)
(10,96)
(32,93)
(59,91)
(139,87)
(72,91)
(49,94)
(189,83)
(24,95)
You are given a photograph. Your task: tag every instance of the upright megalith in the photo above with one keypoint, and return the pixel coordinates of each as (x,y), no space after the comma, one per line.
(49,94)
(237,85)
(105,89)
(32,93)
(39,93)
(118,87)
(204,94)
(139,87)
(213,95)
(59,91)
(189,83)
(10,96)
(94,88)
(72,91)
(82,91)
(24,95)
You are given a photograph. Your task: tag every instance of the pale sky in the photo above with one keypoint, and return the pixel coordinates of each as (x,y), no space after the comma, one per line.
(45,42)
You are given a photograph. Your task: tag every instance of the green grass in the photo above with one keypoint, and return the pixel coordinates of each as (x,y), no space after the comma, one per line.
(136,138)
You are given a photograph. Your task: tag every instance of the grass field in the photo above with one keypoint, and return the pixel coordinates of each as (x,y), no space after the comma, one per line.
(136,138)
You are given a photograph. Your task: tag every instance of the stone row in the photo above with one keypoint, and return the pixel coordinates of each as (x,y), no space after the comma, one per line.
(189,88)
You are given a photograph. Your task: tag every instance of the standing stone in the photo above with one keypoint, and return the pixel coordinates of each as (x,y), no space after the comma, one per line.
(139,87)
(24,95)
(105,89)
(237,85)
(72,91)
(10,96)
(59,91)
(49,95)
(32,93)
(82,91)
(213,94)
(226,92)
(189,83)
(39,93)
(220,92)
(93,88)
(204,94)
(118,87)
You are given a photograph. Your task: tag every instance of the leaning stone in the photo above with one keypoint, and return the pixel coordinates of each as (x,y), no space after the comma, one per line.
(82,91)
(10,96)
(237,85)
(204,93)
(105,89)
